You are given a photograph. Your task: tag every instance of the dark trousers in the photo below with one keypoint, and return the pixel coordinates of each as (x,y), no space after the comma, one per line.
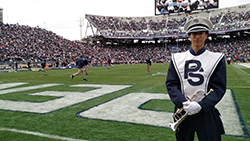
(207,125)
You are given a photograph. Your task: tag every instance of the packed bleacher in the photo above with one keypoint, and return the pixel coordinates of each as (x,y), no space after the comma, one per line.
(21,43)
(161,26)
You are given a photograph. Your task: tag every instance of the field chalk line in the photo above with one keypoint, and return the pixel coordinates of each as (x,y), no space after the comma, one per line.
(40,134)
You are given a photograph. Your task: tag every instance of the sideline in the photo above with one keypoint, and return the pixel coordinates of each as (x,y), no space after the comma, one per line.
(245,64)
(159,73)
(238,66)
(40,134)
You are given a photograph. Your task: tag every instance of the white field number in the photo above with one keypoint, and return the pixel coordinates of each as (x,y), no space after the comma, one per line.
(123,109)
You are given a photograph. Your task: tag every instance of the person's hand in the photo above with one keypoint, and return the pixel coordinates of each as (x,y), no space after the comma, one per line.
(191,107)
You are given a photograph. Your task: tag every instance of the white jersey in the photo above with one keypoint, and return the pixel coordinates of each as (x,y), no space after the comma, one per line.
(195,71)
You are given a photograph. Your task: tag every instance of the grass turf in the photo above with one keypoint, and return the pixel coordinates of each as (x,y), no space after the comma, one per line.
(65,123)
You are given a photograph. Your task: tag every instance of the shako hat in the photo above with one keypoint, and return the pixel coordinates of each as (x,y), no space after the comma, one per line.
(198,24)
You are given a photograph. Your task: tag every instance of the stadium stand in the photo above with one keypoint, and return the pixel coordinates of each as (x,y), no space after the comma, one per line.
(166,26)
(230,35)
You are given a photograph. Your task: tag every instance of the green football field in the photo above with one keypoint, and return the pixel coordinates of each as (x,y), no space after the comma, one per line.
(118,104)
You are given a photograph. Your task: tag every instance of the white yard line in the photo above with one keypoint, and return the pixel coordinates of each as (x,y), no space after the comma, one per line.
(40,134)
(243,87)
(159,73)
(245,65)
(239,70)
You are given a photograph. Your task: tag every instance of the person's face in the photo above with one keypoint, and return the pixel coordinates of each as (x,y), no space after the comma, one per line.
(198,39)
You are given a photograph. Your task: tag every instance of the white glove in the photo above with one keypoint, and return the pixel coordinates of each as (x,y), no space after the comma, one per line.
(191,107)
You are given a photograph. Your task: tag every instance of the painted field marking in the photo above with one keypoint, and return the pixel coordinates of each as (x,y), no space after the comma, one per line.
(245,64)
(25,88)
(65,98)
(40,134)
(159,73)
(122,109)
(239,71)
(126,109)
(229,114)
(9,85)
(243,87)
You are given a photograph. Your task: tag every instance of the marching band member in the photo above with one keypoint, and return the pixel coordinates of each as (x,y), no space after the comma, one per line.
(193,70)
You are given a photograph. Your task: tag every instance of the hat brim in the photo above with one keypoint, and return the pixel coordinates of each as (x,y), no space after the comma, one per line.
(197,30)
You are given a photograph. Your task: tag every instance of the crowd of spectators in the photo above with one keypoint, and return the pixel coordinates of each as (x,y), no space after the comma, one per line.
(232,20)
(159,26)
(21,43)
(235,49)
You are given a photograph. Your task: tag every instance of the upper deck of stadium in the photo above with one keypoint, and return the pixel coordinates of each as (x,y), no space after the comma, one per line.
(225,20)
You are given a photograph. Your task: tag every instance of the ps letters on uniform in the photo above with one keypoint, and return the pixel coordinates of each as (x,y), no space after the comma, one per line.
(189,71)
(195,71)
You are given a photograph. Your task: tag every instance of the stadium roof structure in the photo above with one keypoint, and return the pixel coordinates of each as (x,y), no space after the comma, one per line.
(227,21)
